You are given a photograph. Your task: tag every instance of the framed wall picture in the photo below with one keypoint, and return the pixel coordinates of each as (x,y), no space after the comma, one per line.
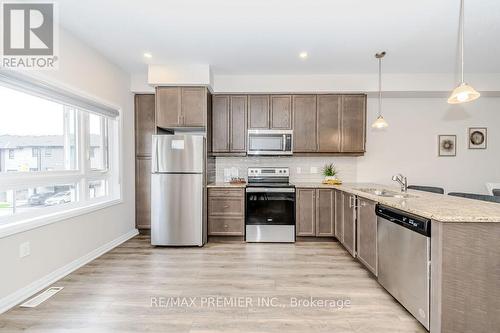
(447,145)
(478,137)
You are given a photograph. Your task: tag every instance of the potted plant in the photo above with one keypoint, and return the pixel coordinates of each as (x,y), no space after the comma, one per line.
(330,172)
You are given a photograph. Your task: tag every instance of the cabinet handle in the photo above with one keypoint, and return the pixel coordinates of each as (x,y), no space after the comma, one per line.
(226,206)
(226,226)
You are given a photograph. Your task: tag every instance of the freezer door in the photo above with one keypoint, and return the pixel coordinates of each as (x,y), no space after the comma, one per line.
(177,209)
(178,153)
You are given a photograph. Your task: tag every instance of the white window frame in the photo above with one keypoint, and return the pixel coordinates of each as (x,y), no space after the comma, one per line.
(80,177)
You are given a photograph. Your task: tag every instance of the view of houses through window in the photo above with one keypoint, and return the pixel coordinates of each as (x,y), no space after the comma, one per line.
(44,138)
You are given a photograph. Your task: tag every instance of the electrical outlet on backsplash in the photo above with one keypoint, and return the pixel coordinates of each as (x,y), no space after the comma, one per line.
(302,169)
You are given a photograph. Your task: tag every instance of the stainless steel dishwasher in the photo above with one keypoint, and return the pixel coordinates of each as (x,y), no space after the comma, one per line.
(403,242)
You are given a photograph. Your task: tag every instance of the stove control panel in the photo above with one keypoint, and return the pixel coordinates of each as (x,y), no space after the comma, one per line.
(268,172)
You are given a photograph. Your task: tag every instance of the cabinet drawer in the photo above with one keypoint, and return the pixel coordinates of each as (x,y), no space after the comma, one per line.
(226,206)
(226,226)
(225,192)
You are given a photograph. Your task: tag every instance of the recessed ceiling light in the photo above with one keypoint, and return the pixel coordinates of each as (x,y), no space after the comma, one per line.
(148,55)
(303,55)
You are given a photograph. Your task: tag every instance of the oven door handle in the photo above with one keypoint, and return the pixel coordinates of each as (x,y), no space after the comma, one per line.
(270,190)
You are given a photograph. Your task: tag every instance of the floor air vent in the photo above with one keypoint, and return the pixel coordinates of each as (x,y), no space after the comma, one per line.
(42,297)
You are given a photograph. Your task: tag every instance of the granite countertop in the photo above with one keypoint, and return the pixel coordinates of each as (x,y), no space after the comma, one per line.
(226,185)
(438,207)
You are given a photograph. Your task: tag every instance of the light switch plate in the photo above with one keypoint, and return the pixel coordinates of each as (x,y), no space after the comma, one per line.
(24,249)
(299,170)
(314,170)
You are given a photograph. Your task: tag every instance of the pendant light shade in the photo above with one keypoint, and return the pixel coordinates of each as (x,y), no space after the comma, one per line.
(380,123)
(463,92)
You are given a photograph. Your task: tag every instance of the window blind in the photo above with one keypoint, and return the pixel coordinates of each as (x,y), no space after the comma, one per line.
(32,86)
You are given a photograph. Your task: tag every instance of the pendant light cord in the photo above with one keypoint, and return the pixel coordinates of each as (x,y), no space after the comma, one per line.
(379,87)
(462,38)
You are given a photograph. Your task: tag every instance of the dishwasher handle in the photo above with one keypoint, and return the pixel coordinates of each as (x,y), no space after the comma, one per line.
(415,223)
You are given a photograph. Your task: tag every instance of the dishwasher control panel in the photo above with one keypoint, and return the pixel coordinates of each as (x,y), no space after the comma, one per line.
(418,224)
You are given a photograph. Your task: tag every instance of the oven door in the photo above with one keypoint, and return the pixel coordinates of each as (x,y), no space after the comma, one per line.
(269,142)
(270,206)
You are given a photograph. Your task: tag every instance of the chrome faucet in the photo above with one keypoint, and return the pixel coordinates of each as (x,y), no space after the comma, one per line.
(402,180)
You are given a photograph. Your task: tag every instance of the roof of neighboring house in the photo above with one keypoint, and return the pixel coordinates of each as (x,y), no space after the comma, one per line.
(20,141)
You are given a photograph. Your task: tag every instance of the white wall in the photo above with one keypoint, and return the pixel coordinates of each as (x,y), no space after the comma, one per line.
(422,83)
(85,71)
(409,145)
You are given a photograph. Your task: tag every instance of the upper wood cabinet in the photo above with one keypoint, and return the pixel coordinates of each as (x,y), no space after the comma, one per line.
(304,123)
(367,234)
(220,124)
(238,124)
(281,112)
(229,124)
(353,123)
(181,107)
(269,112)
(258,111)
(144,123)
(321,123)
(329,123)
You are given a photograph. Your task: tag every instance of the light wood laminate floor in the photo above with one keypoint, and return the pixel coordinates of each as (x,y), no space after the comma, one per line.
(115,292)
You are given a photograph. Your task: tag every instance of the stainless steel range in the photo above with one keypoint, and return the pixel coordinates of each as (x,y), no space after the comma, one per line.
(270,206)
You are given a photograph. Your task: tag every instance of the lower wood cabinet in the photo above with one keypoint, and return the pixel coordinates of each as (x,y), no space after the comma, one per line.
(226,212)
(143,193)
(339,216)
(315,212)
(349,225)
(367,234)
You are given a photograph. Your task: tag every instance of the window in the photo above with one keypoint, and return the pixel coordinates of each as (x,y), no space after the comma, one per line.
(61,151)
(35,152)
(98,142)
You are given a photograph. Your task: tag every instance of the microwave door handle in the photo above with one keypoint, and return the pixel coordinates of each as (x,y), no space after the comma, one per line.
(284,142)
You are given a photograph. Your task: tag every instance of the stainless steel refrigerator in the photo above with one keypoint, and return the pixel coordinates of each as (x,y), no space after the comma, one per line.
(178,191)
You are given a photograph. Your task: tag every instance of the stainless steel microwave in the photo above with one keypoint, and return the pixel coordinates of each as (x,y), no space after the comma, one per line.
(270,142)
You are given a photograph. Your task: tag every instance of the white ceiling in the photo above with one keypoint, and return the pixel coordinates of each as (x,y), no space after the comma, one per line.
(266,36)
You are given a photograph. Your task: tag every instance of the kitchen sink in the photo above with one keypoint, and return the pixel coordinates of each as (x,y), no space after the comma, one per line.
(387,193)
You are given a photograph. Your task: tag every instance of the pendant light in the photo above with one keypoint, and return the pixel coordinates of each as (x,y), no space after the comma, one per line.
(463,92)
(380,122)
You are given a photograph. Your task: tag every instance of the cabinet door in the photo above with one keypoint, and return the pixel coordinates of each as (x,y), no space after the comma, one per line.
(367,234)
(339,216)
(305,212)
(194,106)
(281,112)
(238,124)
(353,123)
(143,193)
(220,124)
(325,213)
(304,123)
(329,123)
(168,107)
(144,123)
(258,111)
(349,224)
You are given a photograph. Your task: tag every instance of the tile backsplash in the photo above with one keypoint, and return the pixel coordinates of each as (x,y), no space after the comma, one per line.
(302,169)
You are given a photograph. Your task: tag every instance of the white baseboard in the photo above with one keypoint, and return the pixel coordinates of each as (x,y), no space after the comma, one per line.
(17,297)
